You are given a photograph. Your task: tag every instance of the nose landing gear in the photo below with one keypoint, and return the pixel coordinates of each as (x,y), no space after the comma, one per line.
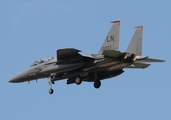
(50,83)
(51,91)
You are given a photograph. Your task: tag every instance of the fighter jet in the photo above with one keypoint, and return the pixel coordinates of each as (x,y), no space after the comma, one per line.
(75,66)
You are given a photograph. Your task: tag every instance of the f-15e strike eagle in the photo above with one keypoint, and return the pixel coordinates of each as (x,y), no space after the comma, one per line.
(75,66)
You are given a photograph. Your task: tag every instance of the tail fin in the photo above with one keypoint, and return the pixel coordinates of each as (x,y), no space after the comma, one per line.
(135,46)
(112,40)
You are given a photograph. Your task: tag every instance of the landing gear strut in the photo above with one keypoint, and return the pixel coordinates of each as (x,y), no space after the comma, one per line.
(97,83)
(50,83)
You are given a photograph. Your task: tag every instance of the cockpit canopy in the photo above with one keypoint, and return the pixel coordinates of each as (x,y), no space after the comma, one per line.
(42,61)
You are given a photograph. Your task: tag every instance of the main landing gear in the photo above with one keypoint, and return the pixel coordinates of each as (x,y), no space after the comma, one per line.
(78,80)
(97,83)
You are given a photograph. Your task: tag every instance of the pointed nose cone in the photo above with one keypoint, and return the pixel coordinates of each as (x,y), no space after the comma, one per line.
(15,79)
(25,75)
(21,77)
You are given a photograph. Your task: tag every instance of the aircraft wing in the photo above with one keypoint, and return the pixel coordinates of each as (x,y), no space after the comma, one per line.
(138,65)
(151,60)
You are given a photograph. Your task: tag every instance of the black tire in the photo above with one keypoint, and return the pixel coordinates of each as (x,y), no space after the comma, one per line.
(51,91)
(78,80)
(97,84)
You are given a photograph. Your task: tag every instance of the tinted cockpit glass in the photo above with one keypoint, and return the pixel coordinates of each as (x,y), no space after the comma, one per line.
(42,61)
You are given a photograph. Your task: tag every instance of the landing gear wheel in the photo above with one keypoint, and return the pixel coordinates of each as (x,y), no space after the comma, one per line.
(97,83)
(51,91)
(78,80)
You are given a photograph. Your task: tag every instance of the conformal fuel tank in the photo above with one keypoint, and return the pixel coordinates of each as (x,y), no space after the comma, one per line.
(61,68)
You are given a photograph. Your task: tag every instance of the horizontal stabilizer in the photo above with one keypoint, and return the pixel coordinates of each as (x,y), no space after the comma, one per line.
(151,60)
(112,53)
(138,65)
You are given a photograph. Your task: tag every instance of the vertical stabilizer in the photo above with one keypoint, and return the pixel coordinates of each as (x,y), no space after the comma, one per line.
(112,40)
(135,46)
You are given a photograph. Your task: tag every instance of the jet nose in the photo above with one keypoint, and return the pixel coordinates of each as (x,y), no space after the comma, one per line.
(19,77)
(15,79)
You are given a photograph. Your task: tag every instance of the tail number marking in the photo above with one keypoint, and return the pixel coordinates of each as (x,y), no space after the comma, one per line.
(106,48)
